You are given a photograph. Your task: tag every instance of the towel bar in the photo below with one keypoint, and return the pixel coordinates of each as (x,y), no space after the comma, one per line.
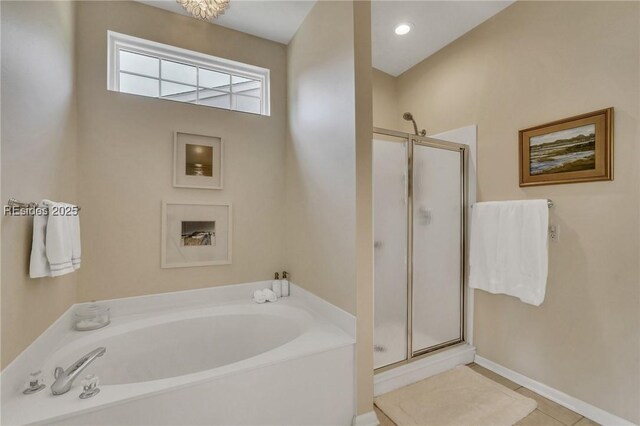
(15,204)
(549,203)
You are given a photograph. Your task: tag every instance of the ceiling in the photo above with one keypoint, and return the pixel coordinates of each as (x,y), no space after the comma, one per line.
(434,24)
(271,19)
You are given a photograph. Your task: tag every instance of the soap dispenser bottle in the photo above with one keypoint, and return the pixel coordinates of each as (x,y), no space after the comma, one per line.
(276,286)
(285,284)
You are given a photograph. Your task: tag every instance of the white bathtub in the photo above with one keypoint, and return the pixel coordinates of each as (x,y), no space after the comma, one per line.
(210,358)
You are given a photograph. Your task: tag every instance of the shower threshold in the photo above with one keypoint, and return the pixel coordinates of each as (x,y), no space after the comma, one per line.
(389,346)
(426,365)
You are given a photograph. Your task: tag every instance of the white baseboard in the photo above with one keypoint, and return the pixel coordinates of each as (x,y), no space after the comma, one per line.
(589,411)
(415,371)
(366,419)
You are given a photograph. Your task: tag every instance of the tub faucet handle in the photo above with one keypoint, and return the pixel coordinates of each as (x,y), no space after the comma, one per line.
(90,386)
(35,383)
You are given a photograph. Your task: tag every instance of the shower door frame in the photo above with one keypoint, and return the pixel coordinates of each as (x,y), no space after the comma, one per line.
(463,149)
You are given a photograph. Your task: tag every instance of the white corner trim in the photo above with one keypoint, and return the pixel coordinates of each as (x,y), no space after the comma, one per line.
(589,411)
(366,419)
(415,371)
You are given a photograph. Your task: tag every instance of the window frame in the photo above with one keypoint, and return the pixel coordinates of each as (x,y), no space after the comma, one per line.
(117,42)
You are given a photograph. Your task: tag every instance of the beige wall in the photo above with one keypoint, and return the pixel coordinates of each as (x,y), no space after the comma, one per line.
(321,156)
(385,101)
(329,197)
(38,157)
(364,205)
(115,160)
(126,159)
(536,62)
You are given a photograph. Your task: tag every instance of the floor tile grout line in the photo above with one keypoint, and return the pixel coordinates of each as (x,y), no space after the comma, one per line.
(530,390)
(579,420)
(551,415)
(386,415)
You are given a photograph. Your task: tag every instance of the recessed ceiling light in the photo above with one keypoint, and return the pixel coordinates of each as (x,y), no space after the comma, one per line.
(403,29)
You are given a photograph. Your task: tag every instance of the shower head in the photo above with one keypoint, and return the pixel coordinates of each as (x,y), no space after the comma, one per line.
(409,117)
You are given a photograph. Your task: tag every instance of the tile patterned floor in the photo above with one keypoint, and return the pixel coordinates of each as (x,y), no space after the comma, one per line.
(548,412)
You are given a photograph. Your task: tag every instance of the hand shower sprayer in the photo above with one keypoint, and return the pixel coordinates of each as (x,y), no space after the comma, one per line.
(409,117)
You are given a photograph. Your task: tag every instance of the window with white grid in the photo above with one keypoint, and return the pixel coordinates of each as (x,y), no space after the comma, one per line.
(146,68)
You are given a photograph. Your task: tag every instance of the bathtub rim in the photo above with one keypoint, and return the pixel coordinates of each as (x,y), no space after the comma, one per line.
(35,355)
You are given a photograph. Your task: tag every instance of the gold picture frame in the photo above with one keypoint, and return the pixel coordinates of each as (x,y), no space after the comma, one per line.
(575,149)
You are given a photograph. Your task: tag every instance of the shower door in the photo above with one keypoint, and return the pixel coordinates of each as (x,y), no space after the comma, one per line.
(438,246)
(419,187)
(390,249)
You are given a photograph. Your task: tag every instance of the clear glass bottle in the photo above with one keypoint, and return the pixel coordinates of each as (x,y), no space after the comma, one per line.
(91,317)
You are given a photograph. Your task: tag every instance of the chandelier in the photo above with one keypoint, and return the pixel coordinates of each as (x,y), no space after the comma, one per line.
(205,9)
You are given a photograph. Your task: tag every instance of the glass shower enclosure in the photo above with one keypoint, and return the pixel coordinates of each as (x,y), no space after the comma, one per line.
(420,226)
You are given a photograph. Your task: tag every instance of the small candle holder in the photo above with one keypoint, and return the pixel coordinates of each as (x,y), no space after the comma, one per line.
(91,317)
(35,383)
(90,386)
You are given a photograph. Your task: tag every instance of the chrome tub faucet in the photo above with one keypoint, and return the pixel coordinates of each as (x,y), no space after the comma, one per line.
(65,378)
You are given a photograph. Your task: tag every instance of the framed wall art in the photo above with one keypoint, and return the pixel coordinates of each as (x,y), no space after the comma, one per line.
(195,234)
(197,161)
(575,149)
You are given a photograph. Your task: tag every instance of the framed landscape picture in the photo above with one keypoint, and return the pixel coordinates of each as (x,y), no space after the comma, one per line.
(197,161)
(195,234)
(576,149)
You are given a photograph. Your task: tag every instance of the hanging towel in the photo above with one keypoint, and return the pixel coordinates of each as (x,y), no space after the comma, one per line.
(39,265)
(55,248)
(74,234)
(508,252)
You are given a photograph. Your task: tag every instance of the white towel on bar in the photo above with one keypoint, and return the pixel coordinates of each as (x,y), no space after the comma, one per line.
(55,248)
(39,265)
(508,252)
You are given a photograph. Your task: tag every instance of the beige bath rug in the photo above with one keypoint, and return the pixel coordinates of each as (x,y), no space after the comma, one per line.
(458,397)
